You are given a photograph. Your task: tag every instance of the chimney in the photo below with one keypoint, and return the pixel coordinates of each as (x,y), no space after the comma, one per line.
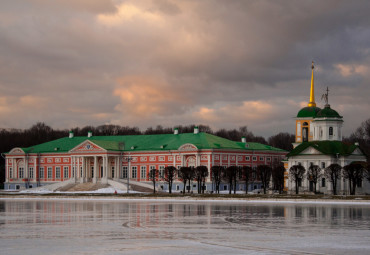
(89,134)
(244,140)
(196,130)
(176,131)
(70,134)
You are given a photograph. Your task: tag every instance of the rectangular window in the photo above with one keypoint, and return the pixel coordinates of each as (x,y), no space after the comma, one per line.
(262,158)
(254,158)
(57,172)
(10,172)
(247,158)
(268,158)
(50,172)
(322,165)
(66,172)
(161,171)
(177,187)
(41,173)
(134,172)
(73,171)
(31,172)
(359,183)
(21,172)
(225,187)
(124,172)
(323,182)
(152,167)
(81,172)
(92,172)
(143,172)
(112,169)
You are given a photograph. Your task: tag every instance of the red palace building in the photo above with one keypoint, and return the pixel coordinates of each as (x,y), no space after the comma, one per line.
(103,159)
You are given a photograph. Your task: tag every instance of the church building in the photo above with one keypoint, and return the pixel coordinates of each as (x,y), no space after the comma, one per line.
(318,141)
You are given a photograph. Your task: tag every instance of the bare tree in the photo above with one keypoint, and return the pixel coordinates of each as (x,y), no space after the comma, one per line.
(246,175)
(333,173)
(184,173)
(264,174)
(230,175)
(314,174)
(169,176)
(201,172)
(153,176)
(354,173)
(296,173)
(278,177)
(367,172)
(217,177)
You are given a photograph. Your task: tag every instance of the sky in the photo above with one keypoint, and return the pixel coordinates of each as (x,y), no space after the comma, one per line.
(145,63)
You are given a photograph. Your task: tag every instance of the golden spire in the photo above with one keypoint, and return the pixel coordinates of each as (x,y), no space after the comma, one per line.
(312,92)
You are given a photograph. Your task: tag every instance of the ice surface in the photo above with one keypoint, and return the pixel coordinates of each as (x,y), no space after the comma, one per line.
(54,226)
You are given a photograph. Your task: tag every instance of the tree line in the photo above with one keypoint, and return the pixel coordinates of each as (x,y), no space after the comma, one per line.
(354,172)
(232,175)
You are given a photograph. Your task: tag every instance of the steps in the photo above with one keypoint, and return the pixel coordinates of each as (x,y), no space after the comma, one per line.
(88,186)
(138,188)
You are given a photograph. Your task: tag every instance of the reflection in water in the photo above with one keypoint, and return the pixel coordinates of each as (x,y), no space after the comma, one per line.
(116,226)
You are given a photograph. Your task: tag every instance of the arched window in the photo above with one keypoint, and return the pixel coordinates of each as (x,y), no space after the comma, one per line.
(331,131)
(305,132)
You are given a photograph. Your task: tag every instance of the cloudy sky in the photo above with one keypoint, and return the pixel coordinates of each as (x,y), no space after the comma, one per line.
(144,63)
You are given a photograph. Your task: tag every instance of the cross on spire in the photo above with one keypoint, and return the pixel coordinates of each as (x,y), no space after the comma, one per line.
(326,96)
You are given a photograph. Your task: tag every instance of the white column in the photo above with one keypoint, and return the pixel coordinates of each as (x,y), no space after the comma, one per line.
(95,168)
(26,167)
(35,170)
(6,170)
(209,168)
(83,170)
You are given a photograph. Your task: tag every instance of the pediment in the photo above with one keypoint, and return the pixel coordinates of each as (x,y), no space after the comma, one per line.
(187,147)
(87,147)
(311,150)
(16,151)
(357,151)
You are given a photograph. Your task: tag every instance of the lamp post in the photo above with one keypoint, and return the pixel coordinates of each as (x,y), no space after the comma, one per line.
(128,174)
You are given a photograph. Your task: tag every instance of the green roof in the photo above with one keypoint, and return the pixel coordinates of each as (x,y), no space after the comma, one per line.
(308,112)
(325,147)
(327,112)
(148,143)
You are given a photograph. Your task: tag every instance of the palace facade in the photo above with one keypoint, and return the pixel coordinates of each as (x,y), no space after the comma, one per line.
(98,159)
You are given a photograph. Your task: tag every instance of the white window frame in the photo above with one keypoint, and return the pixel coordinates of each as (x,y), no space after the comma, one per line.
(134,172)
(124,172)
(10,172)
(50,172)
(161,171)
(143,172)
(42,172)
(31,173)
(21,172)
(254,158)
(247,158)
(57,172)
(66,172)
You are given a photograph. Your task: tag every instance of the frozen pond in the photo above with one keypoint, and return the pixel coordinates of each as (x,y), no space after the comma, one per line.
(155,227)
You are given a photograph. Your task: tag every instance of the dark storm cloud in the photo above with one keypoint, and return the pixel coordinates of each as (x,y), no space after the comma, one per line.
(221,63)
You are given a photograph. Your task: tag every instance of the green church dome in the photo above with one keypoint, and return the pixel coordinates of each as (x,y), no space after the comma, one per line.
(327,112)
(307,112)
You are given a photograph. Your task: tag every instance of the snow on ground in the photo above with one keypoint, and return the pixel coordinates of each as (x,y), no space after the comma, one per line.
(108,190)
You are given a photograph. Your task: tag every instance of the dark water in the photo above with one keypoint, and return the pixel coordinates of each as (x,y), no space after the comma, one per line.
(155,227)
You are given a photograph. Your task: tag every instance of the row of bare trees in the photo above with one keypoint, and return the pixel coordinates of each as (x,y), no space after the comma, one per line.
(354,173)
(231,175)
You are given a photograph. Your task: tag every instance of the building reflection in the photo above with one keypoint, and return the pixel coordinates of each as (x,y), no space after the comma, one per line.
(155,214)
